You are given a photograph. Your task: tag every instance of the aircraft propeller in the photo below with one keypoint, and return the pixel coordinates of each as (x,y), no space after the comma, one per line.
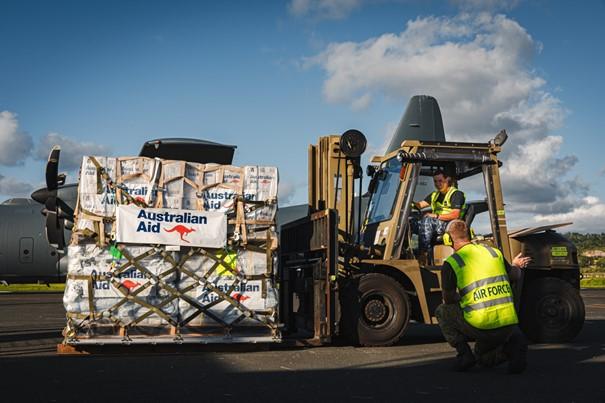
(55,209)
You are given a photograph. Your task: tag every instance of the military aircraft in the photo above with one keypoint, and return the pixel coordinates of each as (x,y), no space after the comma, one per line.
(33,240)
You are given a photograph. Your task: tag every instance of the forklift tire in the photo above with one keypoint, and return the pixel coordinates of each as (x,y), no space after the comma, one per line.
(377,311)
(552,311)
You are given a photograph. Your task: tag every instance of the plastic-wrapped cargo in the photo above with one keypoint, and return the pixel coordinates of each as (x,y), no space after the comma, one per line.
(180,291)
(245,276)
(179,184)
(134,178)
(248,307)
(103,284)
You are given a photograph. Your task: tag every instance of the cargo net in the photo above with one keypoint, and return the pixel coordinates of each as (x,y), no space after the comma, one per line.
(157,293)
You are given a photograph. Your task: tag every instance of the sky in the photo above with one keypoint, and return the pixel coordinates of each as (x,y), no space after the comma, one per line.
(102,77)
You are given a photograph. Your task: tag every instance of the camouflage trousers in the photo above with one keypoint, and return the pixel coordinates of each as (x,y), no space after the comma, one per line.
(489,344)
(427,228)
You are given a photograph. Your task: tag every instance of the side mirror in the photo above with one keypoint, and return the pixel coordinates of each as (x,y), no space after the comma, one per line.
(377,175)
(370,170)
(373,185)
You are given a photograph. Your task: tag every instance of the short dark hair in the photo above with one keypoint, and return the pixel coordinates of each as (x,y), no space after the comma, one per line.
(448,177)
(441,172)
(458,230)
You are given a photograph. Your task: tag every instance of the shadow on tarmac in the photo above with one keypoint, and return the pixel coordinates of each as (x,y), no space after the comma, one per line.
(562,372)
(21,336)
(416,369)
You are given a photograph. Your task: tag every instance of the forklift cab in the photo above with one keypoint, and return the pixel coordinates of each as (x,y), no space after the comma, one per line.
(404,176)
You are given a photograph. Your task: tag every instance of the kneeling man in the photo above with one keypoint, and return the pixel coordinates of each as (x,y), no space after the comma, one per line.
(478,303)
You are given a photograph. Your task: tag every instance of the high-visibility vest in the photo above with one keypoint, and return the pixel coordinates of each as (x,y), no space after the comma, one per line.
(485,292)
(445,207)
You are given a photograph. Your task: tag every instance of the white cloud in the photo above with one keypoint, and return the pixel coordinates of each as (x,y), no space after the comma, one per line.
(323,9)
(475,65)
(15,145)
(13,187)
(535,178)
(479,67)
(588,216)
(72,150)
(362,102)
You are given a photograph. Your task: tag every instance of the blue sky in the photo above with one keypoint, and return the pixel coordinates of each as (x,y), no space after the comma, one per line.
(103,77)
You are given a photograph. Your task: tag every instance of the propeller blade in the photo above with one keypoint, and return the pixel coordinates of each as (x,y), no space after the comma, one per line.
(51,203)
(52,168)
(66,212)
(40,195)
(54,230)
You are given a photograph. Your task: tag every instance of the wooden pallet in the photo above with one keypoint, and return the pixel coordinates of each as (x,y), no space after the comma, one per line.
(69,349)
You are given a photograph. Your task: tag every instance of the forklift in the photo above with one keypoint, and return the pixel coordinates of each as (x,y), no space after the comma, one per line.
(355,276)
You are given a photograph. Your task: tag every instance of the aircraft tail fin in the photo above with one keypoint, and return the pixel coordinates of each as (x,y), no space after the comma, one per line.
(421,121)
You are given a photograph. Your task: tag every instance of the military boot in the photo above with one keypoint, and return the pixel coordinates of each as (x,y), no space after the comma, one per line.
(465,359)
(515,350)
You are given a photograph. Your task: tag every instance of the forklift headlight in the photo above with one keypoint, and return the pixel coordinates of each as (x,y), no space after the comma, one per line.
(500,138)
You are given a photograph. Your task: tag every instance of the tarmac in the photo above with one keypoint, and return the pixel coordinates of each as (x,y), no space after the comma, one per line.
(415,370)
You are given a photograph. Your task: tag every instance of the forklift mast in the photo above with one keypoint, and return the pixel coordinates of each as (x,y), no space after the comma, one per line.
(332,174)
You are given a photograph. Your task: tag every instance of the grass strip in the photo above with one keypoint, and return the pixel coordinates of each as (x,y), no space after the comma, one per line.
(592,283)
(58,287)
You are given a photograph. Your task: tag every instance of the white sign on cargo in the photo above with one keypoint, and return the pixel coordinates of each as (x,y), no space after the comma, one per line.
(171,227)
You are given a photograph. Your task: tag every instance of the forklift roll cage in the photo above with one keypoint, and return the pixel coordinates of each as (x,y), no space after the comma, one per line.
(462,160)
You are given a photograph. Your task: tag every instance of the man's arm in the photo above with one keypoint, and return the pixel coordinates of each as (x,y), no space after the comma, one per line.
(453,215)
(448,285)
(421,204)
(515,270)
(451,296)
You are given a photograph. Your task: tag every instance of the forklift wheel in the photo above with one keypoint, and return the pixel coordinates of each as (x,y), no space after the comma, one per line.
(552,311)
(379,311)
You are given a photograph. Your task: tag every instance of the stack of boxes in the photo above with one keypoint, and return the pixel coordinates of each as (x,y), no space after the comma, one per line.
(133,285)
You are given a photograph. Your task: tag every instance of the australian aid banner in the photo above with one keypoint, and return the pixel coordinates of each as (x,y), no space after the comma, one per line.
(206,229)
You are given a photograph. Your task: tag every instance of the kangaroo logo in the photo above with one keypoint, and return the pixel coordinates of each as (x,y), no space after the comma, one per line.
(129,284)
(240,297)
(182,230)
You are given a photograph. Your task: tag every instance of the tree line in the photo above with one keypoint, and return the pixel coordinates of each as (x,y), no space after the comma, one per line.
(586,242)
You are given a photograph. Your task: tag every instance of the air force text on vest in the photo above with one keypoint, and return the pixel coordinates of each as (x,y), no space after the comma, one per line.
(150,222)
(481,293)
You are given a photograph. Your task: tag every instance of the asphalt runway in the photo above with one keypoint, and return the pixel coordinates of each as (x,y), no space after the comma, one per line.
(417,369)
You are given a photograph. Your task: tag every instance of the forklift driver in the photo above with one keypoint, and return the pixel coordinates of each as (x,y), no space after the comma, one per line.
(447,204)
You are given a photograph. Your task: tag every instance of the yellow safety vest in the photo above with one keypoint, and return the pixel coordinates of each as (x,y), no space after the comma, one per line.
(485,292)
(446,206)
